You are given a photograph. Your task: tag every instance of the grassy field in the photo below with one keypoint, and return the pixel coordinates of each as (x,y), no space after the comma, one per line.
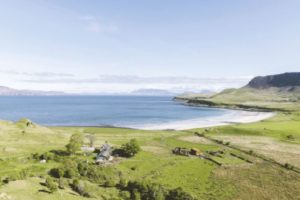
(271,98)
(155,163)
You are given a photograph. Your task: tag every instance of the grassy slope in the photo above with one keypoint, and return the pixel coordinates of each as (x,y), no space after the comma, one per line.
(155,163)
(273,98)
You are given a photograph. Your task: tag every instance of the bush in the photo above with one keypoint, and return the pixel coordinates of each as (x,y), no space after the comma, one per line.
(35,156)
(75,143)
(82,168)
(178,194)
(57,172)
(131,148)
(6,180)
(80,188)
(122,184)
(288,166)
(70,168)
(51,185)
(109,183)
(124,195)
(151,191)
(290,137)
(47,156)
(145,191)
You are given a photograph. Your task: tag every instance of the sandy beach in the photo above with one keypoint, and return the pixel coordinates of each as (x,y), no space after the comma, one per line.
(233,117)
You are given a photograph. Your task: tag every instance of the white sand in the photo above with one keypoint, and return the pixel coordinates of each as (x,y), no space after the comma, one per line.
(234,116)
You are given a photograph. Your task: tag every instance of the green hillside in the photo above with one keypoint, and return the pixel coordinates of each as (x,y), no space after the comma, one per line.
(273,98)
(23,177)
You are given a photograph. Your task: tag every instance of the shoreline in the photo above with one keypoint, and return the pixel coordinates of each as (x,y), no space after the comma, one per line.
(233,117)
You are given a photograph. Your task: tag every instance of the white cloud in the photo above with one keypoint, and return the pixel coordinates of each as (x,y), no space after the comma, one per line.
(36,74)
(111,83)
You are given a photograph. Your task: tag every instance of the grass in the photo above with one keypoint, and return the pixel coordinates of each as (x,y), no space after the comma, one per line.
(155,163)
(253,99)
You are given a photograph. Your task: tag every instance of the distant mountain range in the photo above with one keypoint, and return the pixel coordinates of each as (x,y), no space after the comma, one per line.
(161,92)
(6,91)
(152,92)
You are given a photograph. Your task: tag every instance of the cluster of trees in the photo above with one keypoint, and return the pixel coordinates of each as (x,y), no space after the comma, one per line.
(75,143)
(128,149)
(76,169)
(152,191)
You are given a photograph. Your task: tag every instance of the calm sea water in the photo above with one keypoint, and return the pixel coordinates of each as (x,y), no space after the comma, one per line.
(125,111)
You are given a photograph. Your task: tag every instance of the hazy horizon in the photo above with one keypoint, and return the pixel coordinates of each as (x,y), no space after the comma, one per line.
(117,47)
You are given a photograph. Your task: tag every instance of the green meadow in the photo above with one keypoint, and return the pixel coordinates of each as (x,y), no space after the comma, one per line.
(277,138)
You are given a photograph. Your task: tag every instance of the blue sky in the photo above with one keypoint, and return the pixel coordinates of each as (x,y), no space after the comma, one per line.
(101,45)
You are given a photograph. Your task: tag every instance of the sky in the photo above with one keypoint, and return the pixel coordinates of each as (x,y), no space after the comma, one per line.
(101,46)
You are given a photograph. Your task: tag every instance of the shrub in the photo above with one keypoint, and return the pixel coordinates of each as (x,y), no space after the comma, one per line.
(288,166)
(47,156)
(80,188)
(70,173)
(131,148)
(51,185)
(124,195)
(75,143)
(35,156)
(70,168)
(82,168)
(178,194)
(6,180)
(122,183)
(135,195)
(290,137)
(57,172)
(146,191)
(110,182)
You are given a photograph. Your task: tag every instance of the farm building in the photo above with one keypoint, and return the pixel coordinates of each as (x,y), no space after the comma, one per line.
(105,153)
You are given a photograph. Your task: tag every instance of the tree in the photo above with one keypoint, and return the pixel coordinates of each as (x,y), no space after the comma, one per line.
(92,139)
(75,143)
(131,148)
(50,184)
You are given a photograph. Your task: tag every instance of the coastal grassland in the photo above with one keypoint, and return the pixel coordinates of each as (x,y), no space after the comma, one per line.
(277,138)
(260,181)
(284,127)
(277,99)
(155,163)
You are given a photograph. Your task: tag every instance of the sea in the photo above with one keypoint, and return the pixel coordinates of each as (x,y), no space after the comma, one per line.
(144,112)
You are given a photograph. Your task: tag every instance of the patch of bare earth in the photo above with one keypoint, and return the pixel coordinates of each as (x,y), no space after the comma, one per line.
(279,151)
(195,139)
